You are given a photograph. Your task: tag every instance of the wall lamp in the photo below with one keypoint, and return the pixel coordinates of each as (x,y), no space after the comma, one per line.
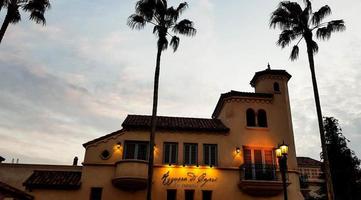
(238,150)
(118,145)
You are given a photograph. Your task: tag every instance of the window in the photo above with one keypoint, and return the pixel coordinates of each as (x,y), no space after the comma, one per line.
(259,164)
(136,150)
(210,154)
(171,194)
(190,154)
(276,87)
(206,195)
(188,194)
(170,153)
(105,155)
(262,118)
(96,193)
(251,121)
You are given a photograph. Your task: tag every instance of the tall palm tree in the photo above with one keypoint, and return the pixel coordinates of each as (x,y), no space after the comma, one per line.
(36,8)
(164,19)
(300,24)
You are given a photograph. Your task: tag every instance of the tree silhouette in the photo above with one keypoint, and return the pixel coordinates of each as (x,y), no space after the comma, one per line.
(36,8)
(345,166)
(164,20)
(299,24)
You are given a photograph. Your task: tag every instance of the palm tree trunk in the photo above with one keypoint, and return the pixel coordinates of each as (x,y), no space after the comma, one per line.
(5,25)
(328,177)
(153,125)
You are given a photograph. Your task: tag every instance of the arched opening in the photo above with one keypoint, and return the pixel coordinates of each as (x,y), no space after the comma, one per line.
(276,87)
(251,117)
(262,118)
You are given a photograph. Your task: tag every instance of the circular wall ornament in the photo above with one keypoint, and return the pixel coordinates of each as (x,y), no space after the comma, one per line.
(105,155)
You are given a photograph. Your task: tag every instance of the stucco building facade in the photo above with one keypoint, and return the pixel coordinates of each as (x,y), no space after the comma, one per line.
(230,155)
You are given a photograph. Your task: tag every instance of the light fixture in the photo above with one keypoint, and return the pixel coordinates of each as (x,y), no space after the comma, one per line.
(284,148)
(169,164)
(238,150)
(211,166)
(278,153)
(119,144)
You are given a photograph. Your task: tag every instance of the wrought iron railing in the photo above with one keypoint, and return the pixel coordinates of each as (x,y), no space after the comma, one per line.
(258,172)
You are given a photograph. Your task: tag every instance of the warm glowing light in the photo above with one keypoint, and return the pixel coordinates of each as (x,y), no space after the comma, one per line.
(238,150)
(119,144)
(278,153)
(284,149)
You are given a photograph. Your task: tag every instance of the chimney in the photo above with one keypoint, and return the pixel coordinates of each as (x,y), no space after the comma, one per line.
(75,161)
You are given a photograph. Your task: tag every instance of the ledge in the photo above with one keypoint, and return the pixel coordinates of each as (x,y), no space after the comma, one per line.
(261,188)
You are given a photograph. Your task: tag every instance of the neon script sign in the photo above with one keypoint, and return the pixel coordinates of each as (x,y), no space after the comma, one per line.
(190,179)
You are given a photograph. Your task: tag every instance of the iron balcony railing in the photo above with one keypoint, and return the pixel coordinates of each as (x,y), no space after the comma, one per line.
(258,172)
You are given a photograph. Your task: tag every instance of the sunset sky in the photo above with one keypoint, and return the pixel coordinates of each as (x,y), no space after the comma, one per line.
(77,78)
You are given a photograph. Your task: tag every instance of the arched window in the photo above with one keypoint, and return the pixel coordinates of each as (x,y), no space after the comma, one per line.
(251,117)
(262,118)
(276,87)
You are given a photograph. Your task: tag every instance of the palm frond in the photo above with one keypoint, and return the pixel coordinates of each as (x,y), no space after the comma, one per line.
(162,43)
(332,26)
(286,37)
(318,16)
(291,7)
(174,42)
(38,17)
(36,5)
(282,18)
(182,7)
(308,6)
(2,4)
(185,27)
(294,53)
(171,15)
(145,8)
(136,21)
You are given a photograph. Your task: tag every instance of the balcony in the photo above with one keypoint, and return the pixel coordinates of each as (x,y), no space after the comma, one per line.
(260,180)
(131,175)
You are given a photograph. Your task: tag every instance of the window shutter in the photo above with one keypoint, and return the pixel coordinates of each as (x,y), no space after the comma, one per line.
(142,152)
(206,154)
(130,151)
(173,153)
(268,157)
(213,155)
(247,156)
(166,153)
(186,154)
(194,154)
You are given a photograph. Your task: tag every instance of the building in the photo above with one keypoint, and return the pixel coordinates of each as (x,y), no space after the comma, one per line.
(311,177)
(228,156)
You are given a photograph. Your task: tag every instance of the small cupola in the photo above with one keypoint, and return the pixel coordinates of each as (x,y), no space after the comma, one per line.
(270,80)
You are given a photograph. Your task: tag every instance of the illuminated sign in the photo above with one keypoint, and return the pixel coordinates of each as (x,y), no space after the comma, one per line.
(191,179)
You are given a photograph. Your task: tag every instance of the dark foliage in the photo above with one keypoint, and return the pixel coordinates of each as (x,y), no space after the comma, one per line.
(344,164)
(36,8)
(297,24)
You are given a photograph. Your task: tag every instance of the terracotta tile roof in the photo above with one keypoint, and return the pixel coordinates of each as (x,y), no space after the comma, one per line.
(9,191)
(53,180)
(271,72)
(237,94)
(308,162)
(175,123)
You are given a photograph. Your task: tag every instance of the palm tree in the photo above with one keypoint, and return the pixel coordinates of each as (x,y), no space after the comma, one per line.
(164,19)
(300,24)
(36,8)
